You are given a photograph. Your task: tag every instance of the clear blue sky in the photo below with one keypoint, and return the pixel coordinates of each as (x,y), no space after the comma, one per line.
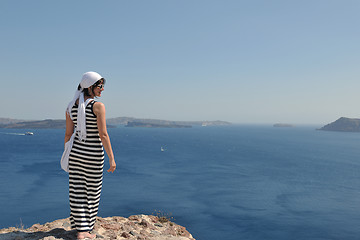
(240,61)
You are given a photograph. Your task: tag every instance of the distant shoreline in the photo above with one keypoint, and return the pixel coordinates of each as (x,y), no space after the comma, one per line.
(111,123)
(283,125)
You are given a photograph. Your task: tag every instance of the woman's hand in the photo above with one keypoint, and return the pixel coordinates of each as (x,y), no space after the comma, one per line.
(112,166)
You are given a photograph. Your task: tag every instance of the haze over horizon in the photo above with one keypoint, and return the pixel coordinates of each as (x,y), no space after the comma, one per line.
(238,61)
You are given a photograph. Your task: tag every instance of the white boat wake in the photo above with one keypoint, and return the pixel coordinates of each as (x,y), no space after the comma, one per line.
(21,134)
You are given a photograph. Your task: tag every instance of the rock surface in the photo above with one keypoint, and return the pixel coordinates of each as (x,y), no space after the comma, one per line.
(139,227)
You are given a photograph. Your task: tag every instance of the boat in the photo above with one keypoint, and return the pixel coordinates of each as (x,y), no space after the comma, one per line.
(29,133)
(162,149)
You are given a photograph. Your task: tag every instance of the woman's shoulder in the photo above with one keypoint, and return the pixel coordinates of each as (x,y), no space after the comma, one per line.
(98,104)
(98,107)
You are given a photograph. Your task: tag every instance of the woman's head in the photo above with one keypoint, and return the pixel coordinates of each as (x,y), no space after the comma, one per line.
(92,84)
(94,90)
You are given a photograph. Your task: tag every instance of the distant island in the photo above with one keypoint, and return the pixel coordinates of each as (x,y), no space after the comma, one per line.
(155,125)
(283,125)
(48,123)
(4,121)
(111,123)
(343,124)
(156,122)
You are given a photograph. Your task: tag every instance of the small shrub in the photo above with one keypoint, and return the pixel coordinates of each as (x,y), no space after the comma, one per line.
(163,217)
(21,227)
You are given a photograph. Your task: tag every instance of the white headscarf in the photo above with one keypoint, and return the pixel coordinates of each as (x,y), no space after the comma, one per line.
(88,79)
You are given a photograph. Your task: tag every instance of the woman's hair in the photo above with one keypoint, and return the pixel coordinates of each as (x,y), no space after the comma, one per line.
(86,90)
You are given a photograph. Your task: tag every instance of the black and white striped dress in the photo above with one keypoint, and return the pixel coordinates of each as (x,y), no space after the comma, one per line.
(86,164)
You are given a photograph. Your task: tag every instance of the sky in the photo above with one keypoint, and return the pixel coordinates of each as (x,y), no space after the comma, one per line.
(253,61)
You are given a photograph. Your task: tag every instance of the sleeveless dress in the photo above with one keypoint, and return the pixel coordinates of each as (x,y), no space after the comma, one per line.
(86,162)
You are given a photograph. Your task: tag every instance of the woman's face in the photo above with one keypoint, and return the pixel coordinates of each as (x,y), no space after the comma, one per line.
(98,90)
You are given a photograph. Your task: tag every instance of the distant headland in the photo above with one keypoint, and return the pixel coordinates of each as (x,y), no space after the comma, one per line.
(155,125)
(112,122)
(283,125)
(343,124)
(146,122)
(21,124)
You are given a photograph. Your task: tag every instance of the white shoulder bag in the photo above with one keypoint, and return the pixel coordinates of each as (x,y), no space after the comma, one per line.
(64,162)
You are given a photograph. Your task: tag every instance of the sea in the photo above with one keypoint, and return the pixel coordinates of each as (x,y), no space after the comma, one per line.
(238,182)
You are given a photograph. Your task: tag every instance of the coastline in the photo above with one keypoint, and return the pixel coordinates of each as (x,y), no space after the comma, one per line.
(111,123)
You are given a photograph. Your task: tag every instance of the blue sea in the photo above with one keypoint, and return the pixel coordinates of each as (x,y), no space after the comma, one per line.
(224,182)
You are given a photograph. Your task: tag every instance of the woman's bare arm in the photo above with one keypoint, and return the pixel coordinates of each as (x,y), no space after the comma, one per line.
(69,128)
(99,110)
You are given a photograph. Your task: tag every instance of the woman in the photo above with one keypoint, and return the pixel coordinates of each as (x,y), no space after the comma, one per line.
(85,118)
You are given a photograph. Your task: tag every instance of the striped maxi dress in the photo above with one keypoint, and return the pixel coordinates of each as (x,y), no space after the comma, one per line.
(86,162)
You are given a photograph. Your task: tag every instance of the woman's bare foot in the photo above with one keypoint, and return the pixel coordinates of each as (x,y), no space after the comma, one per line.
(85,235)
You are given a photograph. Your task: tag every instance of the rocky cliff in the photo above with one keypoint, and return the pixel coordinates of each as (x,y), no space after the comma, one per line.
(137,227)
